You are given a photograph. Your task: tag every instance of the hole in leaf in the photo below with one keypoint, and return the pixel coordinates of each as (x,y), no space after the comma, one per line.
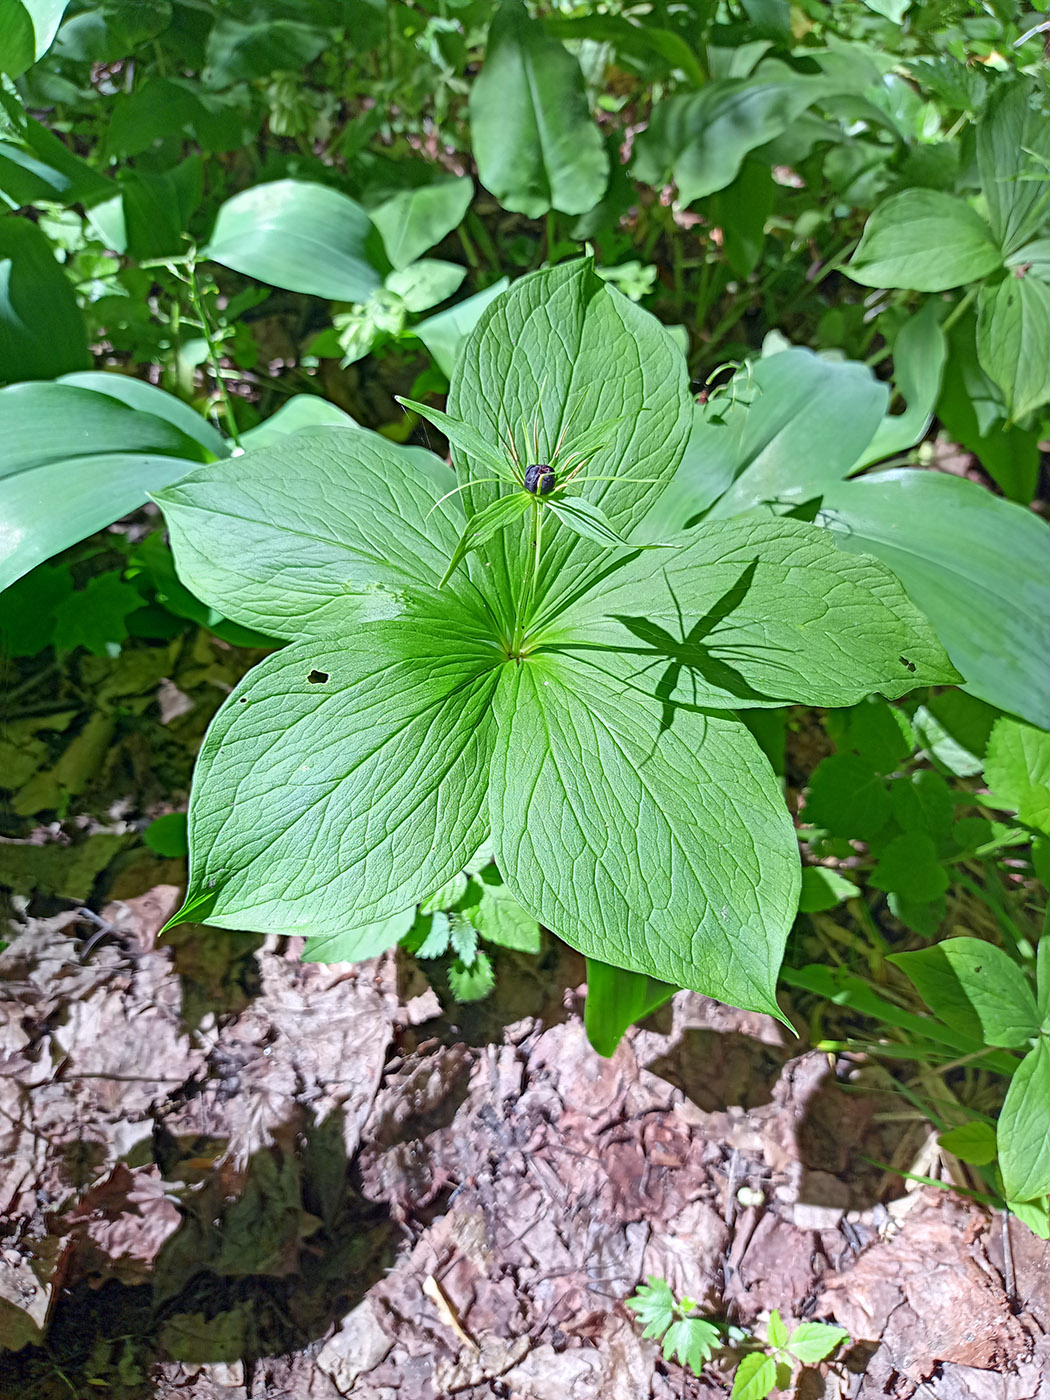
(905,662)
(320,677)
(244,700)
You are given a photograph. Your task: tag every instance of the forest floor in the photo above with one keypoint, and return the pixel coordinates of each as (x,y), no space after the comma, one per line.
(227,1173)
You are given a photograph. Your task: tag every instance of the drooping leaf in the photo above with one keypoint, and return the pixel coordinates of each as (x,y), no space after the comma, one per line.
(375,742)
(751,613)
(977,566)
(332,516)
(534,141)
(975,987)
(616,999)
(700,139)
(1023,1132)
(1013,340)
(297,235)
(42,332)
(413,220)
(919,355)
(679,862)
(558,351)
(147,398)
(72,461)
(925,240)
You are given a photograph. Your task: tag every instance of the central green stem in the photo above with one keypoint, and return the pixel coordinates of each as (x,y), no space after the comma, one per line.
(530,580)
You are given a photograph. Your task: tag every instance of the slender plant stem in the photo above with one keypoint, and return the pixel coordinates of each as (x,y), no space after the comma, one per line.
(959,309)
(213,356)
(531,579)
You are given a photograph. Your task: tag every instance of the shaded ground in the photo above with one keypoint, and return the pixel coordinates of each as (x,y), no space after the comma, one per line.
(230,1174)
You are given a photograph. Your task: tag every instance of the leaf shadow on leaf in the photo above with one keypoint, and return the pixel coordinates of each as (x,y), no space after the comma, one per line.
(688,654)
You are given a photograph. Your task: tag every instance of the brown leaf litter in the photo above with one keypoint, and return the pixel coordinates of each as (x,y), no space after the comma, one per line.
(309,1194)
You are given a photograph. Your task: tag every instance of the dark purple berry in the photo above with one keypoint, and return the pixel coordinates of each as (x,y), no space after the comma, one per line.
(539,479)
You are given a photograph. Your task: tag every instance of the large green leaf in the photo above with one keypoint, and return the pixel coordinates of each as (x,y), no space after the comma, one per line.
(660,846)
(754,613)
(72,461)
(559,352)
(444,334)
(701,138)
(147,398)
(17,41)
(977,566)
(414,219)
(787,426)
(1013,158)
(41,329)
(534,141)
(1013,340)
(1023,1130)
(255,48)
(297,235)
(277,537)
(345,778)
(924,240)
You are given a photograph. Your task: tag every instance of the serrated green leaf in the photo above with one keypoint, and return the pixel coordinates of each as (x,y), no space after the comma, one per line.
(655,1305)
(499,918)
(974,987)
(755,1377)
(480,528)
(375,742)
(464,938)
(450,893)
(473,982)
(776,1331)
(636,869)
(813,1341)
(691,1341)
(431,935)
(1017,769)
(1023,1133)
(908,866)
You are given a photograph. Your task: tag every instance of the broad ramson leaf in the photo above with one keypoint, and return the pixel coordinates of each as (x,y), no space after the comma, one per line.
(277,538)
(535,143)
(1023,1132)
(344,778)
(655,841)
(557,353)
(754,613)
(977,566)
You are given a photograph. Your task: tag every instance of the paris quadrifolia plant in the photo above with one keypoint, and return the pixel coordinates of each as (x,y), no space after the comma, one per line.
(507,656)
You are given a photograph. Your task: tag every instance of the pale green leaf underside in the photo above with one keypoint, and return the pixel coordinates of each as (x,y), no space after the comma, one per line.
(323,519)
(345,778)
(663,849)
(754,613)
